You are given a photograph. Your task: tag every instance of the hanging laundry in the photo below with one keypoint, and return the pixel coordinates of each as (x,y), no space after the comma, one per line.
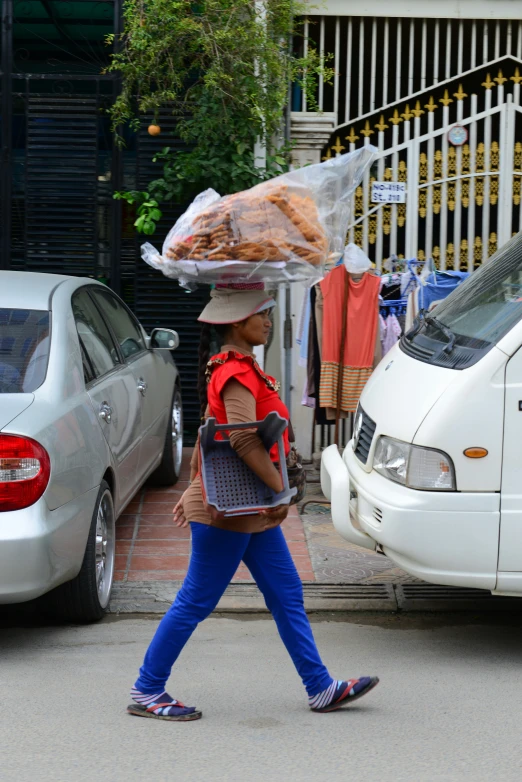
(438,286)
(391,287)
(303,329)
(393,333)
(412,309)
(409,283)
(306,399)
(312,350)
(314,354)
(382,329)
(360,323)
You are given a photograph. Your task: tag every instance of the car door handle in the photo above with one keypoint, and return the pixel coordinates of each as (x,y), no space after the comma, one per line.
(142,386)
(105,412)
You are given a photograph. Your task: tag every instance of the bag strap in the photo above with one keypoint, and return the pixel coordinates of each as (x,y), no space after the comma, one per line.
(291,434)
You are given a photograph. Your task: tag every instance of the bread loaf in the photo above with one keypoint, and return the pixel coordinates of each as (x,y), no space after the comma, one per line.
(267,223)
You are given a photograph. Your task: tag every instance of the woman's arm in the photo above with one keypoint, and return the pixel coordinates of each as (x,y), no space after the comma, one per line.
(240,405)
(194,459)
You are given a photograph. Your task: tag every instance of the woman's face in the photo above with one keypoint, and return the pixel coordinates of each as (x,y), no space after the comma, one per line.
(255,330)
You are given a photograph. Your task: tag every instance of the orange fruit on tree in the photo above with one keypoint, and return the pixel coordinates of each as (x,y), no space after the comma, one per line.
(154,130)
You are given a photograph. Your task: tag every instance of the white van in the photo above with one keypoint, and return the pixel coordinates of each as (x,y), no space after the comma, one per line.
(433,475)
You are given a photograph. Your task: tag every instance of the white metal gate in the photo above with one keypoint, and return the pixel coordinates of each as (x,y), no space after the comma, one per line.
(463,201)
(378,60)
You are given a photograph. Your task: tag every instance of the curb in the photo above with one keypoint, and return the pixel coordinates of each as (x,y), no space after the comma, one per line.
(156,597)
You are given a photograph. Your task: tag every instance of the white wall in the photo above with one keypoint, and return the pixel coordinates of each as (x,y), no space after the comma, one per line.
(436,9)
(259,353)
(302,417)
(274,358)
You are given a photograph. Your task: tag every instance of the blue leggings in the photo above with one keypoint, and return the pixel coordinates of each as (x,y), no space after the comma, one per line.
(216,554)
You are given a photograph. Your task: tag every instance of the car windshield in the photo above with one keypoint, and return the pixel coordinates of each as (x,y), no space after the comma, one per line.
(24,349)
(485,307)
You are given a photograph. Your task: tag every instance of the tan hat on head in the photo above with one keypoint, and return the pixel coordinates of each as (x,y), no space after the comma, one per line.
(227,305)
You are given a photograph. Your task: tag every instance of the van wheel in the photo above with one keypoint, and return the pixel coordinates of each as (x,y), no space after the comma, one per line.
(86,597)
(169,469)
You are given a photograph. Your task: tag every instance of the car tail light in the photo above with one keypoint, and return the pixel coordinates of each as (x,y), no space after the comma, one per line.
(24,472)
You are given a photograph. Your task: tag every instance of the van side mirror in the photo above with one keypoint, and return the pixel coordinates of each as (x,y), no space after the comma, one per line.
(165,339)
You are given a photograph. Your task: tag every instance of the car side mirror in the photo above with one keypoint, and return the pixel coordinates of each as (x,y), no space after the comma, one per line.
(165,339)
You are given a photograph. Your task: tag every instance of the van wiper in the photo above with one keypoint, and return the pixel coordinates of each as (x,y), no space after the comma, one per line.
(448,333)
(417,325)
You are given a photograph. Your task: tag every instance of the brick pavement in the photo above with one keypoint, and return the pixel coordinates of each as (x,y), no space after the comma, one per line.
(149,547)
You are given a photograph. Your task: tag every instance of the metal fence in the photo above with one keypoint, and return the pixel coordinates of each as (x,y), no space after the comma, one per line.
(61,167)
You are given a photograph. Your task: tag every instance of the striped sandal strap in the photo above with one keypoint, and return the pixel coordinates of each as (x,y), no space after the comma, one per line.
(177,704)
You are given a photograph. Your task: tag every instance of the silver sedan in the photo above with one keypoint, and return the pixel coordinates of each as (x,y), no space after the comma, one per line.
(90,408)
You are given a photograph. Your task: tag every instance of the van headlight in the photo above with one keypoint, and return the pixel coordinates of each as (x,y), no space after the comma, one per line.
(415,467)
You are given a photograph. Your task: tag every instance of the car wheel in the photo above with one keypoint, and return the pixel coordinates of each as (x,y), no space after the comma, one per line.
(169,469)
(86,597)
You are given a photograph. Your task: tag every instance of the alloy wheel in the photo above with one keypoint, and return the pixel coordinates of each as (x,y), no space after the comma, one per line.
(177,431)
(105,548)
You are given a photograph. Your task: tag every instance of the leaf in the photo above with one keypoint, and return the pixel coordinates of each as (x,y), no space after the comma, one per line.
(224,76)
(156,214)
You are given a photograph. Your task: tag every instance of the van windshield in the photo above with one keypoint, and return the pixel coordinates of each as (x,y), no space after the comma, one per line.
(478,313)
(488,305)
(24,350)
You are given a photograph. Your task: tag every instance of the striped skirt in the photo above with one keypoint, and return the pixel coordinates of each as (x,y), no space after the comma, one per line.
(354,380)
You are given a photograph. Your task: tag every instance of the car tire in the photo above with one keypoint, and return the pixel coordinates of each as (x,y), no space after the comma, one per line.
(86,597)
(169,469)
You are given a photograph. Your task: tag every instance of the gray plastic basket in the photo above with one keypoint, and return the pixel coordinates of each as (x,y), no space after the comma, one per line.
(230,486)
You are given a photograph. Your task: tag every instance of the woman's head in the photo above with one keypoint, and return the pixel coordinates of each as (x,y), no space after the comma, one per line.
(250,332)
(229,306)
(240,318)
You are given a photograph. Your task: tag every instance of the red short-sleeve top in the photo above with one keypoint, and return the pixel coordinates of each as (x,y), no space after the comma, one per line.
(244,368)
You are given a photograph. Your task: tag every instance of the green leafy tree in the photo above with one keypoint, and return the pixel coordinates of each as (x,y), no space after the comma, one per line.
(223,67)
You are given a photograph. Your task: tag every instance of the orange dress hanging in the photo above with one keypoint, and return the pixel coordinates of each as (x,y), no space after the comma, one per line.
(361,332)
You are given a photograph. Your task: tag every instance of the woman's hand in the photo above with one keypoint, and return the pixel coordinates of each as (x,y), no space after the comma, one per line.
(179,515)
(279,513)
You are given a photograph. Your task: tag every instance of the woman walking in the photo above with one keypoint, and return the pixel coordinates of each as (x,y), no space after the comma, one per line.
(237,391)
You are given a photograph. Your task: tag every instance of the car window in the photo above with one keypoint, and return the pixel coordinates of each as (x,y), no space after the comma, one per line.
(24,349)
(94,334)
(127,331)
(88,371)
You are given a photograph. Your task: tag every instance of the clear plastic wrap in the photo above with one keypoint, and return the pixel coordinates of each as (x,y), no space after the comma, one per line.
(283,230)
(355,260)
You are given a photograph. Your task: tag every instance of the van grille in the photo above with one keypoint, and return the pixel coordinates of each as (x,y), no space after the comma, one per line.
(364,443)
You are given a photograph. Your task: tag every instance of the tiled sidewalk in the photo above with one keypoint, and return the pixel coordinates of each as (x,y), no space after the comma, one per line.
(150,548)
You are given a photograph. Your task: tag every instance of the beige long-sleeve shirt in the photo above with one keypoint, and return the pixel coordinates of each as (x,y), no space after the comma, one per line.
(240,405)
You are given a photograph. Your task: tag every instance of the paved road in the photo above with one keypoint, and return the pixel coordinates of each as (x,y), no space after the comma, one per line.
(449,706)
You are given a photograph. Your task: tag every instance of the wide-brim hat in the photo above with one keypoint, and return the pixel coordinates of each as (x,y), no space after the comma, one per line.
(228,305)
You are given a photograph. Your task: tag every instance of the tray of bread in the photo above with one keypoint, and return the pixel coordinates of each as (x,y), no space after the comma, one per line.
(282,230)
